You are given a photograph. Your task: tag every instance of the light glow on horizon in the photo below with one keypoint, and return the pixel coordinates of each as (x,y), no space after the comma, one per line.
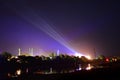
(81,54)
(88,57)
(78,54)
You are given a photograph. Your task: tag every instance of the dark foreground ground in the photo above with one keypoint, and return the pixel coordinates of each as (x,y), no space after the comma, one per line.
(94,74)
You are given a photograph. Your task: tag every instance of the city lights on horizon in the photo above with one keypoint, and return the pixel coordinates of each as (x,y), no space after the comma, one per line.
(88,57)
(81,54)
(37,52)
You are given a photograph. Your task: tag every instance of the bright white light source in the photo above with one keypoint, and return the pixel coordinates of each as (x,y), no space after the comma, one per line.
(88,57)
(18,72)
(78,54)
(88,67)
(80,68)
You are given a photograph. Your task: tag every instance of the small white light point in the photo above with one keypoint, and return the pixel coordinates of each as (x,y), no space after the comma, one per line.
(18,72)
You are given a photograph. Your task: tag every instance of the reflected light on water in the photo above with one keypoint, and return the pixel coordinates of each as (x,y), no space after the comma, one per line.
(88,67)
(18,72)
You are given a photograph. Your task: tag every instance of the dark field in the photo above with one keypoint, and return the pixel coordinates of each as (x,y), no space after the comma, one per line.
(94,74)
(58,69)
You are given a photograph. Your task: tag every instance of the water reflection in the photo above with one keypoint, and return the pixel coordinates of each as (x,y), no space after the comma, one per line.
(51,70)
(15,74)
(89,67)
(18,72)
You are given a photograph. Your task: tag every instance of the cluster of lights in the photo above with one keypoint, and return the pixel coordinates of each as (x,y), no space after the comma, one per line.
(88,57)
(79,55)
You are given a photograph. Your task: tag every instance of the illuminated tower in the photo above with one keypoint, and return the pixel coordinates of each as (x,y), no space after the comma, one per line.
(58,52)
(31,51)
(19,52)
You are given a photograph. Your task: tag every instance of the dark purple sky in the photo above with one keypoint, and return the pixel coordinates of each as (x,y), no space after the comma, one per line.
(49,25)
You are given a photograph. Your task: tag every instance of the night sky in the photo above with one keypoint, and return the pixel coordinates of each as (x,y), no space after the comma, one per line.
(70,26)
